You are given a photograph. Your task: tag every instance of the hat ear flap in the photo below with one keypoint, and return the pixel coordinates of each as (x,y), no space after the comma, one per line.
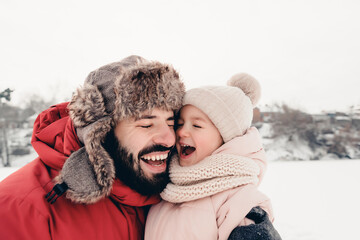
(248,84)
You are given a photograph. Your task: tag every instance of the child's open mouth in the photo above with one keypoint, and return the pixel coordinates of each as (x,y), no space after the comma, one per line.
(186,150)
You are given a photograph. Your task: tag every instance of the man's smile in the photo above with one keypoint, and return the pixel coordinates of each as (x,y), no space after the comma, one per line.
(156,159)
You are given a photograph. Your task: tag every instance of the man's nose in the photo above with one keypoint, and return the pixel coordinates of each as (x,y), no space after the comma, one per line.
(165,136)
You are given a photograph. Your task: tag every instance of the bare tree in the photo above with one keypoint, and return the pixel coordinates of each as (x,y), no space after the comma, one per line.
(6,94)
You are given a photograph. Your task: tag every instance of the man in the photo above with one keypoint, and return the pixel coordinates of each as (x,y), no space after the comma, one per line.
(102,157)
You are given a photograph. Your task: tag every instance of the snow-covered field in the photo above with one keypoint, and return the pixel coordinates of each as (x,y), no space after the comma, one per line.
(312,200)
(315,200)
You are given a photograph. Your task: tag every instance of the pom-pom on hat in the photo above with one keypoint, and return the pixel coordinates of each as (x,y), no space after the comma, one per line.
(230,107)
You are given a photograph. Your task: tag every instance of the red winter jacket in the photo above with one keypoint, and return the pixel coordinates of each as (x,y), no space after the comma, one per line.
(25,213)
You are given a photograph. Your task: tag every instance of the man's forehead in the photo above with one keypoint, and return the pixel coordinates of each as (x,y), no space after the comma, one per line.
(155,113)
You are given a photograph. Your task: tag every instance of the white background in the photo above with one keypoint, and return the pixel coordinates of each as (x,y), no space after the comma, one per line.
(304,53)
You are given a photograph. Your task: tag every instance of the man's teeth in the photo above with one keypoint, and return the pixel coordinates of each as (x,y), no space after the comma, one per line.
(156,158)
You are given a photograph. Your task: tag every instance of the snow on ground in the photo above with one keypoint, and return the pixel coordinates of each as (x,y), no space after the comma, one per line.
(17,162)
(315,200)
(282,149)
(312,200)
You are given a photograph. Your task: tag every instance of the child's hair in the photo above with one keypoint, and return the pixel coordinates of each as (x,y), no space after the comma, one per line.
(230,107)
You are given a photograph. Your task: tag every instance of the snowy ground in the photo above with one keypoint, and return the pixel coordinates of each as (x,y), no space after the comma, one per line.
(312,200)
(315,200)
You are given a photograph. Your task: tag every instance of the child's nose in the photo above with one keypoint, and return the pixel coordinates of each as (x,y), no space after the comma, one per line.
(182,132)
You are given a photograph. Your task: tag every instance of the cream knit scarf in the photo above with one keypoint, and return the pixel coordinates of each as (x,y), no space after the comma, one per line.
(214,174)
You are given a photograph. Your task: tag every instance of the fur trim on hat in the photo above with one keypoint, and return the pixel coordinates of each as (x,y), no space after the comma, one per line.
(87,106)
(126,91)
(146,87)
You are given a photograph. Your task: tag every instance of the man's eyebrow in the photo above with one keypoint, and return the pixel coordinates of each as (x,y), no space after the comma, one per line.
(152,117)
(145,117)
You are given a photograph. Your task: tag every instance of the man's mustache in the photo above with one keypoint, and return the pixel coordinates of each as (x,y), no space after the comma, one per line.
(154,148)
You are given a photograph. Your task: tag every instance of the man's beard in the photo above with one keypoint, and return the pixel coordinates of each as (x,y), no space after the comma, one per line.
(125,170)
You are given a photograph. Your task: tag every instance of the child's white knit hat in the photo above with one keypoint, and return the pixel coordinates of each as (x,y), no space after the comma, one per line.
(230,107)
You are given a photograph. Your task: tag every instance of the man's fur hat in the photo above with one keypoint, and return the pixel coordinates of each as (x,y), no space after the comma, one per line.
(110,94)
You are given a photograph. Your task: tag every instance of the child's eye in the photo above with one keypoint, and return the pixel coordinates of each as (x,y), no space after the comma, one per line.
(145,126)
(197,126)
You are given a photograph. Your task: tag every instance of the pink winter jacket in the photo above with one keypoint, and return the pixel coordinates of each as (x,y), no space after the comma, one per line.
(213,217)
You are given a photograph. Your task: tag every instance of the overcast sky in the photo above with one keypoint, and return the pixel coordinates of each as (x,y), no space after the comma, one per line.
(305,53)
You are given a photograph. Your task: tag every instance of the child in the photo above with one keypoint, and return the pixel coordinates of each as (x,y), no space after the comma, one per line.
(219,165)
